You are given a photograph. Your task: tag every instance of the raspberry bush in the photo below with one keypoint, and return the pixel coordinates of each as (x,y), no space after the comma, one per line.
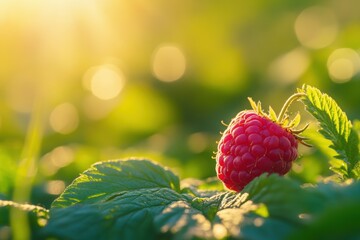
(139,199)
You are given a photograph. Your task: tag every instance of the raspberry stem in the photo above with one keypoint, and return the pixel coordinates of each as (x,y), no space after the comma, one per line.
(288,102)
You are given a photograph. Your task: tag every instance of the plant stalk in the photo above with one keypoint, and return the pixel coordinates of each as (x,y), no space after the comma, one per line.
(288,102)
(25,174)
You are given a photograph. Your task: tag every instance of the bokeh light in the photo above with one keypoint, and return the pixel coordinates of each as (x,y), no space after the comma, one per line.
(316,27)
(58,158)
(198,142)
(343,64)
(219,231)
(62,156)
(289,67)
(55,187)
(64,118)
(169,63)
(105,82)
(158,142)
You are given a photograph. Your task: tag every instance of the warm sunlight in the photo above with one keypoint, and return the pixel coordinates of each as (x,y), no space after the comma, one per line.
(134,120)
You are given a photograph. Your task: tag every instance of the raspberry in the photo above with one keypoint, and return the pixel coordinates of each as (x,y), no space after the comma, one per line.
(255,143)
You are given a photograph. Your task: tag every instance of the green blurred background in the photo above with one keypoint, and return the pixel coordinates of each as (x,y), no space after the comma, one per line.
(96,80)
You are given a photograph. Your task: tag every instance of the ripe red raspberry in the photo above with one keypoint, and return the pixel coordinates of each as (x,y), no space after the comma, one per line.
(255,143)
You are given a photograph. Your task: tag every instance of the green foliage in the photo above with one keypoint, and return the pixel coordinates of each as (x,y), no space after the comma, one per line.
(339,216)
(101,181)
(140,199)
(336,127)
(270,206)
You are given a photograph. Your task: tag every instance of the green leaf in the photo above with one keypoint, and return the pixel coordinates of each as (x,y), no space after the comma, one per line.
(201,188)
(142,211)
(146,204)
(267,208)
(339,218)
(181,221)
(331,224)
(284,198)
(291,210)
(270,207)
(119,200)
(111,177)
(126,215)
(336,127)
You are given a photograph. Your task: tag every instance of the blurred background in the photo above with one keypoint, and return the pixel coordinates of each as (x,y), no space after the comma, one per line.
(84,81)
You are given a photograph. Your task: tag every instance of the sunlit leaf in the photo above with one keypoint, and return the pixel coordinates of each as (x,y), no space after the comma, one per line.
(126,215)
(183,221)
(106,178)
(270,207)
(340,203)
(336,127)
